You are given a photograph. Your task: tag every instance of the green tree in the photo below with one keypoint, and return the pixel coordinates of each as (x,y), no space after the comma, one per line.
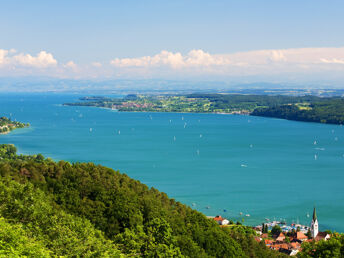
(276,230)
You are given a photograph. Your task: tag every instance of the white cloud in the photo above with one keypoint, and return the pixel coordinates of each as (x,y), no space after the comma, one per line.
(199,58)
(3,54)
(71,65)
(197,63)
(278,55)
(42,60)
(174,60)
(96,64)
(332,61)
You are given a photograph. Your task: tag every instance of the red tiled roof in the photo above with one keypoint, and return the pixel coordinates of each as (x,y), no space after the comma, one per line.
(281,237)
(268,241)
(300,236)
(218,218)
(295,245)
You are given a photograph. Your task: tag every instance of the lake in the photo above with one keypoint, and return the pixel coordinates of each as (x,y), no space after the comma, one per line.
(217,164)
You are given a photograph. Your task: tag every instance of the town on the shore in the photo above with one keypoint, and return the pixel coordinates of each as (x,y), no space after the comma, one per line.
(279,236)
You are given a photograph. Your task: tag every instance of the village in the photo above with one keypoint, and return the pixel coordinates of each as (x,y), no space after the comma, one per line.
(281,237)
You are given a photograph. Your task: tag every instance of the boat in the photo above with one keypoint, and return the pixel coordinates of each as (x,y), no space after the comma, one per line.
(240,213)
(208,207)
(247,215)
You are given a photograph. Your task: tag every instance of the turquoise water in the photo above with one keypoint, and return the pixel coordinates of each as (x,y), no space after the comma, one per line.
(268,168)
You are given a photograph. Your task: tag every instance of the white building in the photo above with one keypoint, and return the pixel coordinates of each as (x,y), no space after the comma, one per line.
(314,225)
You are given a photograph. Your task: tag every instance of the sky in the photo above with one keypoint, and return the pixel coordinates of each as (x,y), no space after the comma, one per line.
(269,40)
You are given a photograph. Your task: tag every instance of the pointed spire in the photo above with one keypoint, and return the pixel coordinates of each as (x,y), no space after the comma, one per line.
(314,215)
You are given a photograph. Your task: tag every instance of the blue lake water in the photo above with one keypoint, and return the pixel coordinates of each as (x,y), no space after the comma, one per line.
(268,168)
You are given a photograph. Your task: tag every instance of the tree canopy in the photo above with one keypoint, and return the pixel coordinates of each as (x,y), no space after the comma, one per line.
(83,209)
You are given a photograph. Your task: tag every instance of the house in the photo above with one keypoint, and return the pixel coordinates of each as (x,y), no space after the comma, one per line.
(280,238)
(301,237)
(295,245)
(322,236)
(221,221)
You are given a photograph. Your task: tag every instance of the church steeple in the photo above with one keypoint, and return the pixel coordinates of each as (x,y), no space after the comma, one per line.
(314,215)
(314,224)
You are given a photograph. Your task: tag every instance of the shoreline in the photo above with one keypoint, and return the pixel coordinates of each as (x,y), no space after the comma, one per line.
(214,113)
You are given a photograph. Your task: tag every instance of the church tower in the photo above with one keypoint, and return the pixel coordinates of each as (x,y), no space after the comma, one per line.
(314,225)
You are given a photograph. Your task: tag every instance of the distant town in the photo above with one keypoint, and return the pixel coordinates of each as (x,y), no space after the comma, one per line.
(279,236)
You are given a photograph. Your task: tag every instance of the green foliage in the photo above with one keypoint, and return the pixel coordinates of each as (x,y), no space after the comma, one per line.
(330,110)
(276,230)
(265,228)
(332,248)
(61,233)
(16,242)
(84,209)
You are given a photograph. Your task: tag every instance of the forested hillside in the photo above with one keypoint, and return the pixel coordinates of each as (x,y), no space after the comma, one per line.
(52,208)
(330,111)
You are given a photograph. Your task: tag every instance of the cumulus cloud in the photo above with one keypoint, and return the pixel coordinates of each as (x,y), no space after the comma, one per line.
(332,61)
(41,60)
(174,60)
(200,58)
(295,62)
(71,65)
(196,63)
(3,54)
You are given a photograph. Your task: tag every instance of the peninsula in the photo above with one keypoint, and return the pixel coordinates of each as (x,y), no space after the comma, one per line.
(7,125)
(300,108)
